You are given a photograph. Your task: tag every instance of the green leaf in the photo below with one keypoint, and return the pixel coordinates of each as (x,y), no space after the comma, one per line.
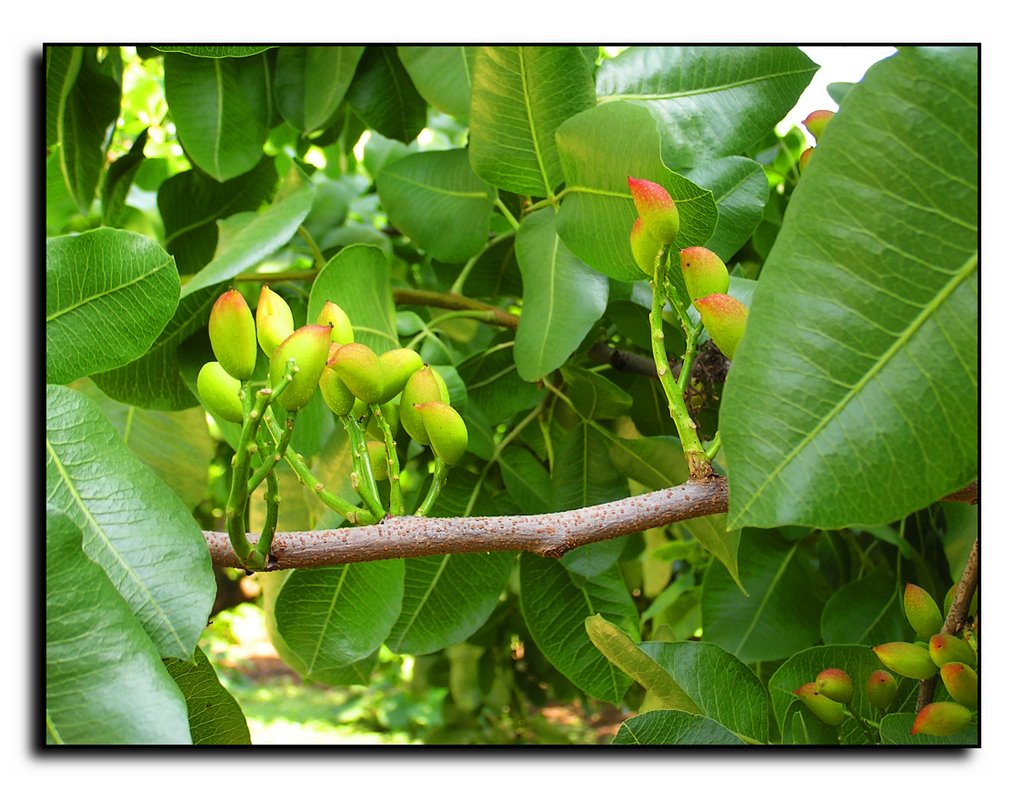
(358,280)
(118,181)
(868,610)
(556,605)
(493,385)
(442,76)
(62,66)
(583,473)
(709,101)
(600,149)
(84,116)
(220,110)
(724,688)
(436,199)
(247,238)
(215,52)
(562,298)
(673,727)
(109,293)
(526,479)
(332,617)
(860,360)
(191,203)
(740,188)
(895,729)
(155,380)
(105,683)
(310,83)
(384,97)
(496,273)
(520,96)
(593,396)
(783,610)
(214,716)
(133,525)
(621,651)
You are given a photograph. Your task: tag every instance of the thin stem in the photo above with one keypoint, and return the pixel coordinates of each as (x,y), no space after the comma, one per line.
(318,256)
(696,459)
(436,485)
(271,461)
(273,500)
(363,480)
(460,281)
(238,496)
(714,446)
(396,507)
(508,215)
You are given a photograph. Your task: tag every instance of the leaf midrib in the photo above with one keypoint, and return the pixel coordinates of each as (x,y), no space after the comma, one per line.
(728,86)
(102,294)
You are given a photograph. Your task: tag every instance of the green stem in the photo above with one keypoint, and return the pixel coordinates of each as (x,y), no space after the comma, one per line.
(396,507)
(508,215)
(271,461)
(365,485)
(234,511)
(714,446)
(318,256)
(273,499)
(353,513)
(486,316)
(460,281)
(696,460)
(436,485)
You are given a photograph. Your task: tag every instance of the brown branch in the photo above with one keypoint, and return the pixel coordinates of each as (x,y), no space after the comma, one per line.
(956,618)
(437,299)
(548,535)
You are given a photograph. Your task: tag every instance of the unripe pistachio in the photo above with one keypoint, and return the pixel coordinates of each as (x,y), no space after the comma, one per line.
(805,157)
(906,659)
(704,272)
(828,711)
(951,594)
(446,431)
(233,334)
(816,123)
(219,392)
(389,409)
(943,648)
(378,459)
(309,347)
(922,612)
(882,688)
(274,320)
(644,246)
(341,327)
(337,396)
(424,386)
(656,208)
(725,319)
(360,369)
(942,719)
(961,682)
(835,684)
(397,366)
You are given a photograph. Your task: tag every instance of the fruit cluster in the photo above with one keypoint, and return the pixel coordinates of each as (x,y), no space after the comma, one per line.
(951,657)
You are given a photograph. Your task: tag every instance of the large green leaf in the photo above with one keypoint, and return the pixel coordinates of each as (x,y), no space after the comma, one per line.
(214,716)
(84,116)
(109,293)
(442,75)
(436,199)
(673,727)
(105,683)
(119,179)
(562,298)
(493,385)
(782,612)
(868,610)
(709,101)
(740,188)
(600,149)
(662,690)
(220,110)
(155,380)
(310,83)
(247,238)
(358,279)
(526,479)
(62,65)
(724,688)
(556,604)
(132,524)
(853,398)
(384,97)
(333,617)
(214,52)
(520,96)
(895,729)
(191,203)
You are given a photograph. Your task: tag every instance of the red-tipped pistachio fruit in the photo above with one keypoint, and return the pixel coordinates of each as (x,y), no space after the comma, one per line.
(828,711)
(360,369)
(906,659)
(882,688)
(446,431)
(656,208)
(704,273)
(397,366)
(944,648)
(644,246)
(274,321)
(341,327)
(805,157)
(725,319)
(424,386)
(233,334)
(309,347)
(961,682)
(835,684)
(922,612)
(817,121)
(942,719)
(219,392)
